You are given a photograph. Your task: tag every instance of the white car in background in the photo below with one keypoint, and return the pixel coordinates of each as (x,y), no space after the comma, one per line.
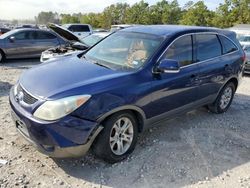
(244,40)
(81,30)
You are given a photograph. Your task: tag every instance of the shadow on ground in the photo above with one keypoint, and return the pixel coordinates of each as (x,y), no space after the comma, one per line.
(182,151)
(20,63)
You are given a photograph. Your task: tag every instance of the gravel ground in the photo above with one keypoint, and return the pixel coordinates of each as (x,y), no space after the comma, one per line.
(198,149)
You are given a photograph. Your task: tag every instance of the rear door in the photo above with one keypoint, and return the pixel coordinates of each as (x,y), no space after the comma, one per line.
(215,64)
(43,41)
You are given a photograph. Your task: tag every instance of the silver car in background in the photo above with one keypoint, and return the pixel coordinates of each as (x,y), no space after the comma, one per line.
(75,46)
(27,43)
(246,49)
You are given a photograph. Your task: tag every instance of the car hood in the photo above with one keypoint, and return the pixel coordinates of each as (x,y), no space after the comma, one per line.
(63,32)
(50,80)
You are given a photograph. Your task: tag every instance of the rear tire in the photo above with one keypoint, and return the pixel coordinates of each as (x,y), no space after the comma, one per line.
(224,99)
(118,138)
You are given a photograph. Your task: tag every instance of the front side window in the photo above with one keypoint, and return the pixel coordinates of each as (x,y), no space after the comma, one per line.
(24,35)
(228,46)
(181,50)
(124,50)
(207,46)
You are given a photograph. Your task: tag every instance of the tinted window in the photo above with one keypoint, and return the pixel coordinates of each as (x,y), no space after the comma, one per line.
(181,50)
(208,46)
(79,28)
(39,35)
(25,35)
(228,46)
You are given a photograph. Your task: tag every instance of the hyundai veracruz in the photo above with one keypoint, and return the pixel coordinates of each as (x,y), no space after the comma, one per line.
(133,78)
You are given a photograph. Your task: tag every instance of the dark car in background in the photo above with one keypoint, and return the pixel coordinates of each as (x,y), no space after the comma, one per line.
(246,48)
(134,78)
(3,30)
(27,43)
(75,44)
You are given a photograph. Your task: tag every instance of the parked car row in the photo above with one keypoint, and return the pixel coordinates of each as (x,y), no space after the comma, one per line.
(75,46)
(134,78)
(31,42)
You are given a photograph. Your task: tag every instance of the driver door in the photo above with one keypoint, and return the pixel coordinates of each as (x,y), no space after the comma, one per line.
(173,92)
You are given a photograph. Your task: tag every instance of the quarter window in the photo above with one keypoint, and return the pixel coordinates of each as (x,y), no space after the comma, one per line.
(228,46)
(207,46)
(181,50)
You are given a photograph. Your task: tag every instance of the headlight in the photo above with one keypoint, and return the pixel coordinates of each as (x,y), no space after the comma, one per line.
(53,110)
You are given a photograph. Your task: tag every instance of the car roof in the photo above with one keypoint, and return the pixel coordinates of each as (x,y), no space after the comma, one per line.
(167,30)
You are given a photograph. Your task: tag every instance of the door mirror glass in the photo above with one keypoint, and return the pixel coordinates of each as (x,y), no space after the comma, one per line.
(168,66)
(12,39)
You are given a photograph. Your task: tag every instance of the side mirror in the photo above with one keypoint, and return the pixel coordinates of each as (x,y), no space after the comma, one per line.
(12,39)
(168,66)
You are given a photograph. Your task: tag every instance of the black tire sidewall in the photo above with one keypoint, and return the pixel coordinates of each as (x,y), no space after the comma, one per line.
(102,146)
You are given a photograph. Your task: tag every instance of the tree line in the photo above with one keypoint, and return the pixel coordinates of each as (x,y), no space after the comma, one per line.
(226,15)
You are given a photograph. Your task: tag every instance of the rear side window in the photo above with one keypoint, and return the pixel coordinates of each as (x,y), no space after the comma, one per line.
(181,50)
(227,45)
(207,46)
(40,35)
(79,28)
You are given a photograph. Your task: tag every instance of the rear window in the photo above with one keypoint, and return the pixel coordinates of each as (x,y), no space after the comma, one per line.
(227,45)
(79,28)
(207,46)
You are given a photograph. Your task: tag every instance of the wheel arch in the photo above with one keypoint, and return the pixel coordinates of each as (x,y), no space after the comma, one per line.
(137,112)
(234,80)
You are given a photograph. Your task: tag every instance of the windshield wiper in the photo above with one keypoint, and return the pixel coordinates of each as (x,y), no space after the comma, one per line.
(96,63)
(102,65)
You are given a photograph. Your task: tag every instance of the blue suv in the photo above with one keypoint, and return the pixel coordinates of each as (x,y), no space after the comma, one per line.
(104,97)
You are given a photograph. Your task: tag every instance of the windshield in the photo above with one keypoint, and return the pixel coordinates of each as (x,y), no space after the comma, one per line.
(124,50)
(91,39)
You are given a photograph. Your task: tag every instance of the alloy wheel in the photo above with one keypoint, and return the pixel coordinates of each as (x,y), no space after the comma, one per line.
(121,136)
(226,97)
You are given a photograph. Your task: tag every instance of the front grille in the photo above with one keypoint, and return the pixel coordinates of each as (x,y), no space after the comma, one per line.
(27,98)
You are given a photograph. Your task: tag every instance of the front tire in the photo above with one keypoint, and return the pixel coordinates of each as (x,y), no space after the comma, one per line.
(118,138)
(224,99)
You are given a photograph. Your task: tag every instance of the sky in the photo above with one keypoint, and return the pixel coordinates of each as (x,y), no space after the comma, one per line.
(28,9)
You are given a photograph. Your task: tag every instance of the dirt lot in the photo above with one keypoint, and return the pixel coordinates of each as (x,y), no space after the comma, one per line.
(199,149)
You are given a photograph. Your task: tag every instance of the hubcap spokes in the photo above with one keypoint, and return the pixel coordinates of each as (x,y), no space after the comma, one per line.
(226,97)
(121,136)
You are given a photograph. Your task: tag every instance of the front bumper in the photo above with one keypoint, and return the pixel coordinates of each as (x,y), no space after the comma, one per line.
(67,137)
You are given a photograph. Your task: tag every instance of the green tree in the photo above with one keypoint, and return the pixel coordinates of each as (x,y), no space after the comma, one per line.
(46,17)
(197,14)
(138,13)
